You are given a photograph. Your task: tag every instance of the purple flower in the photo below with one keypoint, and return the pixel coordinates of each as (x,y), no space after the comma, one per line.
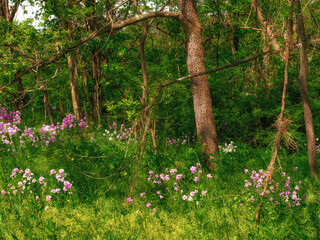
(193,169)
(52,171)
(129,200)
(172,171)
(179,176)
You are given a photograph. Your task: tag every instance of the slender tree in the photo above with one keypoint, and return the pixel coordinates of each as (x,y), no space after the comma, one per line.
(303,87)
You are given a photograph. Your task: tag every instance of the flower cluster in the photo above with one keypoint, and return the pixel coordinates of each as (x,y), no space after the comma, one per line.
(24,184)
(282,190)
(174,186)
(46,134)
(119,134)
(228,147)
(182,140)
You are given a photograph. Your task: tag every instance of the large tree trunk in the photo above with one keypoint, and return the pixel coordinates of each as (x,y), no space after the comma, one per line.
(202,102)
(303,86)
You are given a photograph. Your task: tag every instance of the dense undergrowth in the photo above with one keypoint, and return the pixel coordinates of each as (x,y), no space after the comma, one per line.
(174,196)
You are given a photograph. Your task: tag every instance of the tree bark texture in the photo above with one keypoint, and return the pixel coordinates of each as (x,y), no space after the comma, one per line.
(303,87)
(202,102)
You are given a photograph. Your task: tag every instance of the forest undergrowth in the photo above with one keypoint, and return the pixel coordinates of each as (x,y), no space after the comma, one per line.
(71,181)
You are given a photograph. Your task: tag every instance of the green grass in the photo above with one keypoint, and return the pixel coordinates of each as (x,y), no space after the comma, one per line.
(92,212)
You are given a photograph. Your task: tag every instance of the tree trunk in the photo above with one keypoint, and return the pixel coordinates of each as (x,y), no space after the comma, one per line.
(303,87)
(73,77)
(45,97)
(73,69)
(96,74)
(202,102)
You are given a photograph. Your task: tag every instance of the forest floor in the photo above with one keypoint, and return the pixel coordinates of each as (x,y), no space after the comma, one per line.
(81,189)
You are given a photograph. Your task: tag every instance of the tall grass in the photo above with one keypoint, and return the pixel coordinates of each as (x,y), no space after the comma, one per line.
(98,208)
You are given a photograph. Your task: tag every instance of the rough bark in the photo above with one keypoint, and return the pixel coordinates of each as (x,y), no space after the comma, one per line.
(202,102)
(303,87)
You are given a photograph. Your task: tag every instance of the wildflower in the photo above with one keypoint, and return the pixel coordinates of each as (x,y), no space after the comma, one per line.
(148,205)
(179,176)
(296,187)
(190,199)
(37,197)
(209,176)
(198,164)
(197,202)
(300,182)
(246,171)
(161,196)
(193,169)
(48,198)
(283,174)
(129,200)
(172,171)
(204,193)
(196,179)
(52,171)
(46,208)
(271,199)
(142,194)
(3,192)
(184,197)
(154,210)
